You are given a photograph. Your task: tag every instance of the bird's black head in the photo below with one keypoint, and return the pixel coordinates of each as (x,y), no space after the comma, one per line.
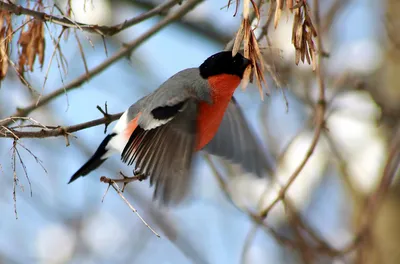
(223,62)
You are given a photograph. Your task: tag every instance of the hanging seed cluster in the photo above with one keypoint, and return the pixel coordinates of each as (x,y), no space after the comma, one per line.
(303,30)
(303,33)
(302,36)
(5,39)
(251,48)
(32,43)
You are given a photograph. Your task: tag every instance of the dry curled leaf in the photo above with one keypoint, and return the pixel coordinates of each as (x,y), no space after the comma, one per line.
(238,39)
(5,39)
(289,4)
(278,12)
(251,49)
(303,30)
(246,77)
(32,43)
(256,11)
(302,35)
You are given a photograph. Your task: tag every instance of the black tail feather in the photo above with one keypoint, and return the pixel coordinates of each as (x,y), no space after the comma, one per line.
(95,161)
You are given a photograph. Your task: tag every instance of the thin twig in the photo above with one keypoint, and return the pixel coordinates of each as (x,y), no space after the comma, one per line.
(52,131)
(343,167)
(254,217)
(38,161)
(24,169)
(319,118)
(125,50)
(102,30)
(56,44)
(15,176)
(118,190)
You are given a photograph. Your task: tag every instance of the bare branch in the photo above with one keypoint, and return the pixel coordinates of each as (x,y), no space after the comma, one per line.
(319,118)
(49,131)
(82,53)
(126,49)
(125,180)
(24,168)
(113,184)
(56,46)
(102,30)
(16,180)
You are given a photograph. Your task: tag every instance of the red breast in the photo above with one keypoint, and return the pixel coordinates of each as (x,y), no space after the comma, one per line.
(210,115)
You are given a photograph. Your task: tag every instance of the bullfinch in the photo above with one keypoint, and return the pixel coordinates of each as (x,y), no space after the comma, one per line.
(193,110)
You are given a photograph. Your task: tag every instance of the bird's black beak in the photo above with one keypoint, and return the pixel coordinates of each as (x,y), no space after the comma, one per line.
(245,63)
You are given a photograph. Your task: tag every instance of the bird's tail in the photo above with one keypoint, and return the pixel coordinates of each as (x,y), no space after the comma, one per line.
(95,161)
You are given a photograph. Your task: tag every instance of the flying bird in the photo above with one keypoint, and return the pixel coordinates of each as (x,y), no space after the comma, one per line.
(193,110)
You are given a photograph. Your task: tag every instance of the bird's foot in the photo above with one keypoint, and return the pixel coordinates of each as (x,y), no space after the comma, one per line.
(106,116)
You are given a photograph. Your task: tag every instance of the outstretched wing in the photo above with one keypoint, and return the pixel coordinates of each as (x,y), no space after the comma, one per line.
(235,142)
(164,152)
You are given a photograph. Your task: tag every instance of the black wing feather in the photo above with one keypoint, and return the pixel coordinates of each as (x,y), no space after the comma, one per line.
(165,153)
(95,161)
(168,111)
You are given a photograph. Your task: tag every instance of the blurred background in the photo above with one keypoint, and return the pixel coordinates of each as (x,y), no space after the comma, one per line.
(60,223)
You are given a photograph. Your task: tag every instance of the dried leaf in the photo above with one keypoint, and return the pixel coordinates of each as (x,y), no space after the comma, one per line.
(3,59)
(2,18)
(238,39)
(259,85)
(303,32)
(277,16)
(246,9)
(289,4)
(311,42)
(298,37)
(259,72)
(32,43)
(308,56)
(314,60)
(303,49)
(296,22)
(5,39)
(308,20)
(256,11)
(251,48)
(247,32)
(32,47)
(246,77)
(297,59)
(254,44)
(41,44)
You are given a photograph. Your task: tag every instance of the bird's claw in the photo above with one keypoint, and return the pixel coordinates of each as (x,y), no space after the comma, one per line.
(106,115)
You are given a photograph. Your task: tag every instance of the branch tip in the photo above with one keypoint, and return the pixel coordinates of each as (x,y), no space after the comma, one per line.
(113,183)
(106,115)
